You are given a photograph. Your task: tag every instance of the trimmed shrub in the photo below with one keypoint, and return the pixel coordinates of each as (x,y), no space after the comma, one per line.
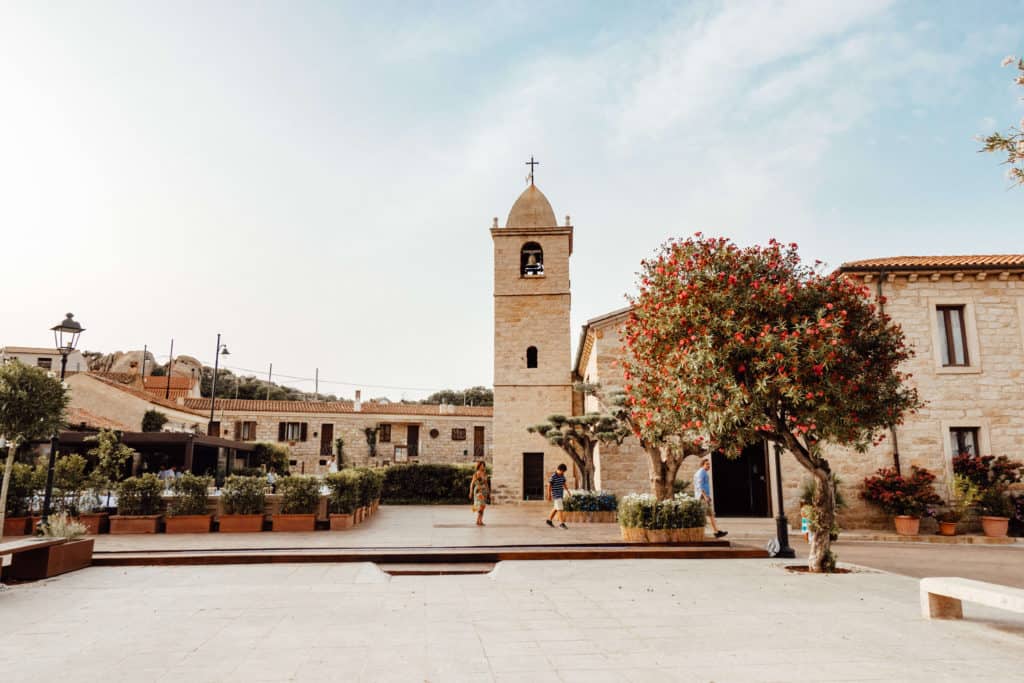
(300,495)
(644,511)
(275,457)
(20,489)
(140,495)
(153,421)
(427,484)
(244,495)
(344,492)
(191,495)
(591,501)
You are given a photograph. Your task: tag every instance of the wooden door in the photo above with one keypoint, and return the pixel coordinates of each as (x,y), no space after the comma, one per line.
(327,439)
(413,440)
(533,476)
(478,443)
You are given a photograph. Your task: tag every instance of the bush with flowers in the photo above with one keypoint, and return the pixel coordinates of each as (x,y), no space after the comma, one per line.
(913,495)
(645,518)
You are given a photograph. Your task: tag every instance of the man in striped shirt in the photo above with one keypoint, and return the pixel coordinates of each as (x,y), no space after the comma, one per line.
(556,492)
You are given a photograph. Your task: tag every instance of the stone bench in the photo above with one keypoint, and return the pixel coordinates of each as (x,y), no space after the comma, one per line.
(942,596)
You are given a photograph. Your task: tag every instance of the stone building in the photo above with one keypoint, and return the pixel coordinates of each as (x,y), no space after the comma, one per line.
(402,432)
(964,318)
(531,343)
(45,358)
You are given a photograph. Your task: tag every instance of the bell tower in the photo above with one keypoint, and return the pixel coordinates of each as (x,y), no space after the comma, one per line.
(532,363)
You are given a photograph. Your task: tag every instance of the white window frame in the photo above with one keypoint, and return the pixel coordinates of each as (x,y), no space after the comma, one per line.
(288,435)
(970,331)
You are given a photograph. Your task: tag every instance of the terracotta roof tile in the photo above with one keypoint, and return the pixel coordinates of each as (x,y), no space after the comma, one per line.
(259,406)
(41,351)
(983,262)
(158,382)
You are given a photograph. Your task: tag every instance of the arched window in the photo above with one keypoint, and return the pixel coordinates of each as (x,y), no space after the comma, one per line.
(531,260)
(531,357)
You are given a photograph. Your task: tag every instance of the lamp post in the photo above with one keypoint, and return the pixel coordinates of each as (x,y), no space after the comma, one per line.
(781,523)
(222,350)
(65,338)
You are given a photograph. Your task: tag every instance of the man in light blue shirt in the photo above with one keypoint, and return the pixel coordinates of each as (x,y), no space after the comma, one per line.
(702,491)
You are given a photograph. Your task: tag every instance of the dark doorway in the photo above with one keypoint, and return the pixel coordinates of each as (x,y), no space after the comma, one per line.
(413,440)
(533,476)
(740,486)
(478,443)
(327,439)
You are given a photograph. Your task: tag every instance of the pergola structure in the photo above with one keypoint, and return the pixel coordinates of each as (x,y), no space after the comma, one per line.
(197,453)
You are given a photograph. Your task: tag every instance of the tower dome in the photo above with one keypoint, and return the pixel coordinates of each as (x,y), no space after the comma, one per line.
(531,210)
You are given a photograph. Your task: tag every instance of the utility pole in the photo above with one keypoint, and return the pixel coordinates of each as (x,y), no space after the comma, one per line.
(144,354)
(316,385)
(170,364)
(270,374)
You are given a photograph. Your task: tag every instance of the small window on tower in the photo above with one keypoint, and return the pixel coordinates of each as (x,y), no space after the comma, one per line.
(531,260)
(531,357)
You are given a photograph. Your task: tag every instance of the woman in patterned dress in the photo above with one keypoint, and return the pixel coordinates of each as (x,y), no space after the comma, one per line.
(480,491)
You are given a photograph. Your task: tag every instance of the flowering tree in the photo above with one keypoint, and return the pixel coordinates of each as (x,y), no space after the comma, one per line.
(1011,142)
(728,346)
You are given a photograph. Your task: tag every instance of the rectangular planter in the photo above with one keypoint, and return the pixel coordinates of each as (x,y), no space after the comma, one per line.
(135,524)
(95,522)
(237,524)
(294,522)
(15,526)
(55,560)
(188,524)
(341,522)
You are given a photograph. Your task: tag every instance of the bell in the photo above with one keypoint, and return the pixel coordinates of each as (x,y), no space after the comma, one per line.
(531,260)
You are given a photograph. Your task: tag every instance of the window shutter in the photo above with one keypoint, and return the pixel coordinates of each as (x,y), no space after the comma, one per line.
(305,431)
(280,431)
(238,431)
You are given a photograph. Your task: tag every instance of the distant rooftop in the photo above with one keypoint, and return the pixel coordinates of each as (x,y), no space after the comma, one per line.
(977,262)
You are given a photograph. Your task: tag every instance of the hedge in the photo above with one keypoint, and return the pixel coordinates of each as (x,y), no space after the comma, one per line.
(427,484)
(644,511)
(591,501)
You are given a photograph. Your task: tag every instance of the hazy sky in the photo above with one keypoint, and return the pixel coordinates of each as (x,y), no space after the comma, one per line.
(317,180)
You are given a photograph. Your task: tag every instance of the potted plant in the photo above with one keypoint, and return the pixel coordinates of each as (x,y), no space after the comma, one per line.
(188,512)
(139,500)
(590,506)
(19,497)
(995,508)
(74,553)
(963,494)
(907,498)
(73,495)
(368,488)
(243,501)
(300,497)
(343,498)
(644,518)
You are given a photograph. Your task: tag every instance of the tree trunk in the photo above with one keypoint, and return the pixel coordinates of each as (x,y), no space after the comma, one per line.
(821,558)
(11,450)
(662,472)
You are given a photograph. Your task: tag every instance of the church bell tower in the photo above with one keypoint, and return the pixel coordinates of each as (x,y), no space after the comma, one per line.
(532,355)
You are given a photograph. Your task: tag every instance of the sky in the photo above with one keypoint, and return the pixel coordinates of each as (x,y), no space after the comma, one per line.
(316,181)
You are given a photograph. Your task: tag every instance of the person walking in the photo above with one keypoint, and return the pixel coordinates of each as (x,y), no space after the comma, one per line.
(702,491)
(556,494)
(480,491)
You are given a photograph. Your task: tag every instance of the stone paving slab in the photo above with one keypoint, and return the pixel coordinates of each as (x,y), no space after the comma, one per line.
(648,620)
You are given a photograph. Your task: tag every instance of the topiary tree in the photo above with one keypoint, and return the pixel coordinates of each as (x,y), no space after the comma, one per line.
(153,421)
(32,407)
(1011,142)
(739,345)
(579,435)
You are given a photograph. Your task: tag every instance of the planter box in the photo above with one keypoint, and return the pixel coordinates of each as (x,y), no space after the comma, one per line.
(188,524)
(15,526)
(135,524)
(341,522)
(358,515)
(597,517)
(58,559)
(294,522)
(95,522)
(690,535)
(236,524)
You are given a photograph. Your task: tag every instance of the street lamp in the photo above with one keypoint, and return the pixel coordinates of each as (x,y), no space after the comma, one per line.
(222,350)
(65,338)
(781,523)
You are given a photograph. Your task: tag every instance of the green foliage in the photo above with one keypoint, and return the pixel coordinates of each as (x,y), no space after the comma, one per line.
(371,439)
(339,447)
(61,525)
(898,495)
(995,502)
(21,489)
(1011,142)
(153,421)
(273,456)
(964,494)
(300,495)
(140,495)
(427,484)
(473,396)
(112,456)
(230,385)
(809,489)
(344,489)
(591,501)
(69,483)
(191,495)
(645,511)
(32,403)
(244,495)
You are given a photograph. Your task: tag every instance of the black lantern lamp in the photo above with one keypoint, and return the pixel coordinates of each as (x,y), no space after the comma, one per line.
(65,338)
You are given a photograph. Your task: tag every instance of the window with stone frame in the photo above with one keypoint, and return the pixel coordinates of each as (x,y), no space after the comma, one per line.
(292,431)
(964,440)
(952,336)
(458,433)
(385,433)
(245,431)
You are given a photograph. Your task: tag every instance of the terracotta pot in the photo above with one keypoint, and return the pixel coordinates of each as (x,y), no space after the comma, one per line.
(135,524)
(188,524)
(341,522)
(907,525)
(57,559)
(947,528)
(15,526)
(995,527)
(297,522)
(237,524)
(95,522)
